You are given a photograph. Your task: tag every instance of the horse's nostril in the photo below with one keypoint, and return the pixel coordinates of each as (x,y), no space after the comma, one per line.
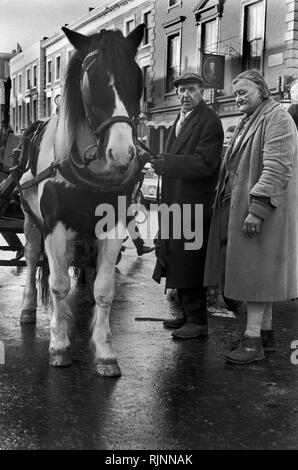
(132,152)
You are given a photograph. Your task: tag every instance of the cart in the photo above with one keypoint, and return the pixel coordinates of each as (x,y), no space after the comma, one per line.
(11,215)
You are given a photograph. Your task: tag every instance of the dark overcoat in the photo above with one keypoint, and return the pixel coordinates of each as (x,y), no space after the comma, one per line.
(192,162)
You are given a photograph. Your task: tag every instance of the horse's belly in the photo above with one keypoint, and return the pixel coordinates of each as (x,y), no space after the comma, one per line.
(72,206)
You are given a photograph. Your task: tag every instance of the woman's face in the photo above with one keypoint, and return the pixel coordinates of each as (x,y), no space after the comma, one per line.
(247,95)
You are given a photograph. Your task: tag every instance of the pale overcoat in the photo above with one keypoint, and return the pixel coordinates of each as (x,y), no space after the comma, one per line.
(263,268)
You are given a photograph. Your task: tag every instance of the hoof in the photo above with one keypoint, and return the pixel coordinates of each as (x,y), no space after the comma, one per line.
(28,316)
(59,357)
(108,368)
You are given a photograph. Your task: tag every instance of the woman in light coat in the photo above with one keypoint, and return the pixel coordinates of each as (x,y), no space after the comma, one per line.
(253,242)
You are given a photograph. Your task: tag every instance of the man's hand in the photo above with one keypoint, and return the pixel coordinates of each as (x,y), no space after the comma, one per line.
(144,156)
(158,164)
(252,225)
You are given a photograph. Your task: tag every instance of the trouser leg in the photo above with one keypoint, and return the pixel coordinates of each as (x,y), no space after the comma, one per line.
(134,232)
(194,304)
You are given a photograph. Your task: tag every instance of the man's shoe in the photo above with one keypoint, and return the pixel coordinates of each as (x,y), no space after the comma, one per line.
(174,322)
(268,340)
(145,249)
(248,350)
(190,330)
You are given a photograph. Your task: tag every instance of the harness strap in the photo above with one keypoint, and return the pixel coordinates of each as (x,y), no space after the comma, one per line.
(47,173)
(15,173)
(113,120)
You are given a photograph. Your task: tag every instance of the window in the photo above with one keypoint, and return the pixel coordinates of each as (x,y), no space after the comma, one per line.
(35,75)
(49,106)
(173,2)
(20,116)
(20,83)
(129,26)
(28,117)
(147,23)
(58,67)
(146,83)
(173,60)
(253,36)
(49,71)
(209,37)
(14,86)
(28,84)
(34,111)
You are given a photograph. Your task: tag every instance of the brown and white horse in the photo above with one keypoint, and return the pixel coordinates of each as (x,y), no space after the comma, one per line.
(91,145)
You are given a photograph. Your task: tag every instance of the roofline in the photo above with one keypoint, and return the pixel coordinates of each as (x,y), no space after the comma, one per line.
(90,17)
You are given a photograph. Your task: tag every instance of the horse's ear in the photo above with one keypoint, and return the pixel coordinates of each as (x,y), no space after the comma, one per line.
(136,36)
(79,41)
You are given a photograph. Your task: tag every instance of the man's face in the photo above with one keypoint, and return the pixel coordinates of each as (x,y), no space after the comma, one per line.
(189,94)
(212,66)
(247,96)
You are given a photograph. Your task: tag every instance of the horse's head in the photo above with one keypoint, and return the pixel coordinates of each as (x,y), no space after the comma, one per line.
(102,92)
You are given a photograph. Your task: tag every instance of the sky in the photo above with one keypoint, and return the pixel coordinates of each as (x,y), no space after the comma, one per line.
(27,21)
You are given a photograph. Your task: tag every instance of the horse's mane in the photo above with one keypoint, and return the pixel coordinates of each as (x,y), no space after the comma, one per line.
(118,59)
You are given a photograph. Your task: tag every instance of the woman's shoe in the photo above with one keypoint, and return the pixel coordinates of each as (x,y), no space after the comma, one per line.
(268,341)
(248,350)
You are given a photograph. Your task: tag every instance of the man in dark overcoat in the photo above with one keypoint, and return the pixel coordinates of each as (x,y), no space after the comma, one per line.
(189,168)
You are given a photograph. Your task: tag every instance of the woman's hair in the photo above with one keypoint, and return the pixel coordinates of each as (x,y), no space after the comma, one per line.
(256,78)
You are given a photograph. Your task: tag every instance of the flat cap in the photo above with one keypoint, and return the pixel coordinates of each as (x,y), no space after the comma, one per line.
(188,77)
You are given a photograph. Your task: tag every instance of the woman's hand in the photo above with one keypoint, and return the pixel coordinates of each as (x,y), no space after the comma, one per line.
(252,225)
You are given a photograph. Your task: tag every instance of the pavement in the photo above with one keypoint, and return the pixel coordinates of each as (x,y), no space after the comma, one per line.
(173,395)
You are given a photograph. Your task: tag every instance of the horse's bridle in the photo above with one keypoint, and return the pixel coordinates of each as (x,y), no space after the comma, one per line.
(91,152)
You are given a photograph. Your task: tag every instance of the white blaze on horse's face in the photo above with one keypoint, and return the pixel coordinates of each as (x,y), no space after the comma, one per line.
(120,150)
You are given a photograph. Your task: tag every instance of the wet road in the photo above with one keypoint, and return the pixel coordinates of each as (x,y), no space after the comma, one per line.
(174,395)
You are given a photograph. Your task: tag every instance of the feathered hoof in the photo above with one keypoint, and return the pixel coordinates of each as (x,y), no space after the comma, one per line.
(28,316)
(107,368)
(59,357)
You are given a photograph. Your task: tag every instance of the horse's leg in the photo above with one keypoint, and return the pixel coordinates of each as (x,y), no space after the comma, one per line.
(59,248)
(32,252)
(104,291)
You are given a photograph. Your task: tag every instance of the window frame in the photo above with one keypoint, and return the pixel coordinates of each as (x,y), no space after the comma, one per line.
(34,103)
(49,82)
(57,57)
(28,78)
(34,82)
(14,87)
(126,21)
(171,34)
(245,4)
(20,83)
(177,4)
(145,12)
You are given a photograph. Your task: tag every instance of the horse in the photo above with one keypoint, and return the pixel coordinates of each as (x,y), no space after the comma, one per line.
(87,155)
